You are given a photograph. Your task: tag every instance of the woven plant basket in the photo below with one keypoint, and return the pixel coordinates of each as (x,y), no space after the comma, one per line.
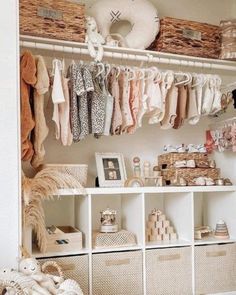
(215,268)
(51,267)
(169,271)
(118,273)
(190,173)
(166,161)
(7,284)
(188,37)
(56,19)
(79,171)
(73,267)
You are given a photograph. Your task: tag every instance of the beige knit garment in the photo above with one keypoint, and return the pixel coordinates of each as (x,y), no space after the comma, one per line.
(41,130)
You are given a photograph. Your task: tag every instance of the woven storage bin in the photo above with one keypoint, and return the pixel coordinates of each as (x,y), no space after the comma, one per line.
(228,39)
(74,267)
(71,235)
(118,273)
(79,171)
(169,271)
(122,238)
(190,173)
(57,19)
(167,160)
(188,37)
(215,268)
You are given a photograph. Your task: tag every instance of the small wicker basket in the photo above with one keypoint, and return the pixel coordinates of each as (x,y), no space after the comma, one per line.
(79,171)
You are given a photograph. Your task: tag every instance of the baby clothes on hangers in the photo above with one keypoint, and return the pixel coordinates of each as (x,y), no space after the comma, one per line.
(192,109)
(181,106)
(142,103)
(216,105)
(198,81)
(41,130)
(127,120)
(208,96)
(134,101)
(57,95)
(155,103)
(171,107)
(165,84)
(109,102)
(233,134)
(113,87)
(27,81)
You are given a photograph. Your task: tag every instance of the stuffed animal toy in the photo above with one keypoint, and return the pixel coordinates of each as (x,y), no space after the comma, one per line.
(31,268)
(27,284)
(93,38)
(141,14)
(69,287)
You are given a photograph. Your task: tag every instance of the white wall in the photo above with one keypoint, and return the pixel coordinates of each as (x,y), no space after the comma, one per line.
(9,140)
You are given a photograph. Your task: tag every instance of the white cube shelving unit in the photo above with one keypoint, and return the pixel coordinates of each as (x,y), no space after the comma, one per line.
(185,207)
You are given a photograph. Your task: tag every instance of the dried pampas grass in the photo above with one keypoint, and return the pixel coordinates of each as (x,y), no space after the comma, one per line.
(43,186)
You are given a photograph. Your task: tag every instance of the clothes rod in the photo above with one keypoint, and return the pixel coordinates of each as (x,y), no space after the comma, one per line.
(144,57)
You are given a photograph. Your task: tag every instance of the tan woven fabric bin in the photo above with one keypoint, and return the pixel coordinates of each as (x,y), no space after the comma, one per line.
(56,19)
(118,273)
(74,267)
(169,271)
(215,268)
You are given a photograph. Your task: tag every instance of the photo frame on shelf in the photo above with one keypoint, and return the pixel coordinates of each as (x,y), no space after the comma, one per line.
(111,169)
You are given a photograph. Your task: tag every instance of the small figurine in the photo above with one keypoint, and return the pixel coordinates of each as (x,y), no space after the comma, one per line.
(136,167)
(108,221)
(93,38)
(146,169)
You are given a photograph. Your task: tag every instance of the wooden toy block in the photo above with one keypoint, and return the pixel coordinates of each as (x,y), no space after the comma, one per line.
(165,223)
(162,231)
(159,237)
(152,238)
(148,231)
(166,237)
(152,217)
(162,217)
(151,224)
(169,230)
(173,236)
(158,224)
(155,231)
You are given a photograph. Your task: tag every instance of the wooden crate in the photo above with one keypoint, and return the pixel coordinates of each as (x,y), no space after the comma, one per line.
(61,19)
(69,240)
(166,161)
(190,173)
(215,268)
(188,38)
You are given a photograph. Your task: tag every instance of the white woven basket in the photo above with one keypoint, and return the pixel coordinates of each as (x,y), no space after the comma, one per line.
(79,171)
(169,271)
(118,273)
(215,268)
(75,268)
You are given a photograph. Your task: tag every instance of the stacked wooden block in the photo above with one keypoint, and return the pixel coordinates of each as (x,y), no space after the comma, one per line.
(159,228)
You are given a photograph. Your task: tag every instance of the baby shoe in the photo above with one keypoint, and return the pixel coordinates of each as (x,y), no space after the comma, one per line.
(227,181)
(200,181)
(180,148)
(191,148)
(209,181)
(190,164)
(180,164)
(201,148)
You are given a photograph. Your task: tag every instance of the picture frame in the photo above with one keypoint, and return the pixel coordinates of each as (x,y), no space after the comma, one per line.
(111,169)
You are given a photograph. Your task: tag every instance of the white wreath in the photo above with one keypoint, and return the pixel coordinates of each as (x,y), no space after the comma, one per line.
(142,15)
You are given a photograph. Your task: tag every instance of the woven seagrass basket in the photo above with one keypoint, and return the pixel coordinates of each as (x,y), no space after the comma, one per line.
(56,19)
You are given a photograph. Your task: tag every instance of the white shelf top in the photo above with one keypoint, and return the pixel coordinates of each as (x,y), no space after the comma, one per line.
(129,54)
(167,244)
(116,249)
(147,190)
(212,241)
(37,254)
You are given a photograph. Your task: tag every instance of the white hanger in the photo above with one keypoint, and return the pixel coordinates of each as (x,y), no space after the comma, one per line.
(102,69)
(131,70)
(186,81)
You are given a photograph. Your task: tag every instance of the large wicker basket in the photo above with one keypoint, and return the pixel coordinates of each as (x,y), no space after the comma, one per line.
(228,39)
(166,161)
(215,268)
(118,273)
(169,271)
(75,268)
(188,38)
(79,171)
(56,19)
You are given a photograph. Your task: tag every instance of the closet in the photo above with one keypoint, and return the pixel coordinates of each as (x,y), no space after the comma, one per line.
(186,206)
